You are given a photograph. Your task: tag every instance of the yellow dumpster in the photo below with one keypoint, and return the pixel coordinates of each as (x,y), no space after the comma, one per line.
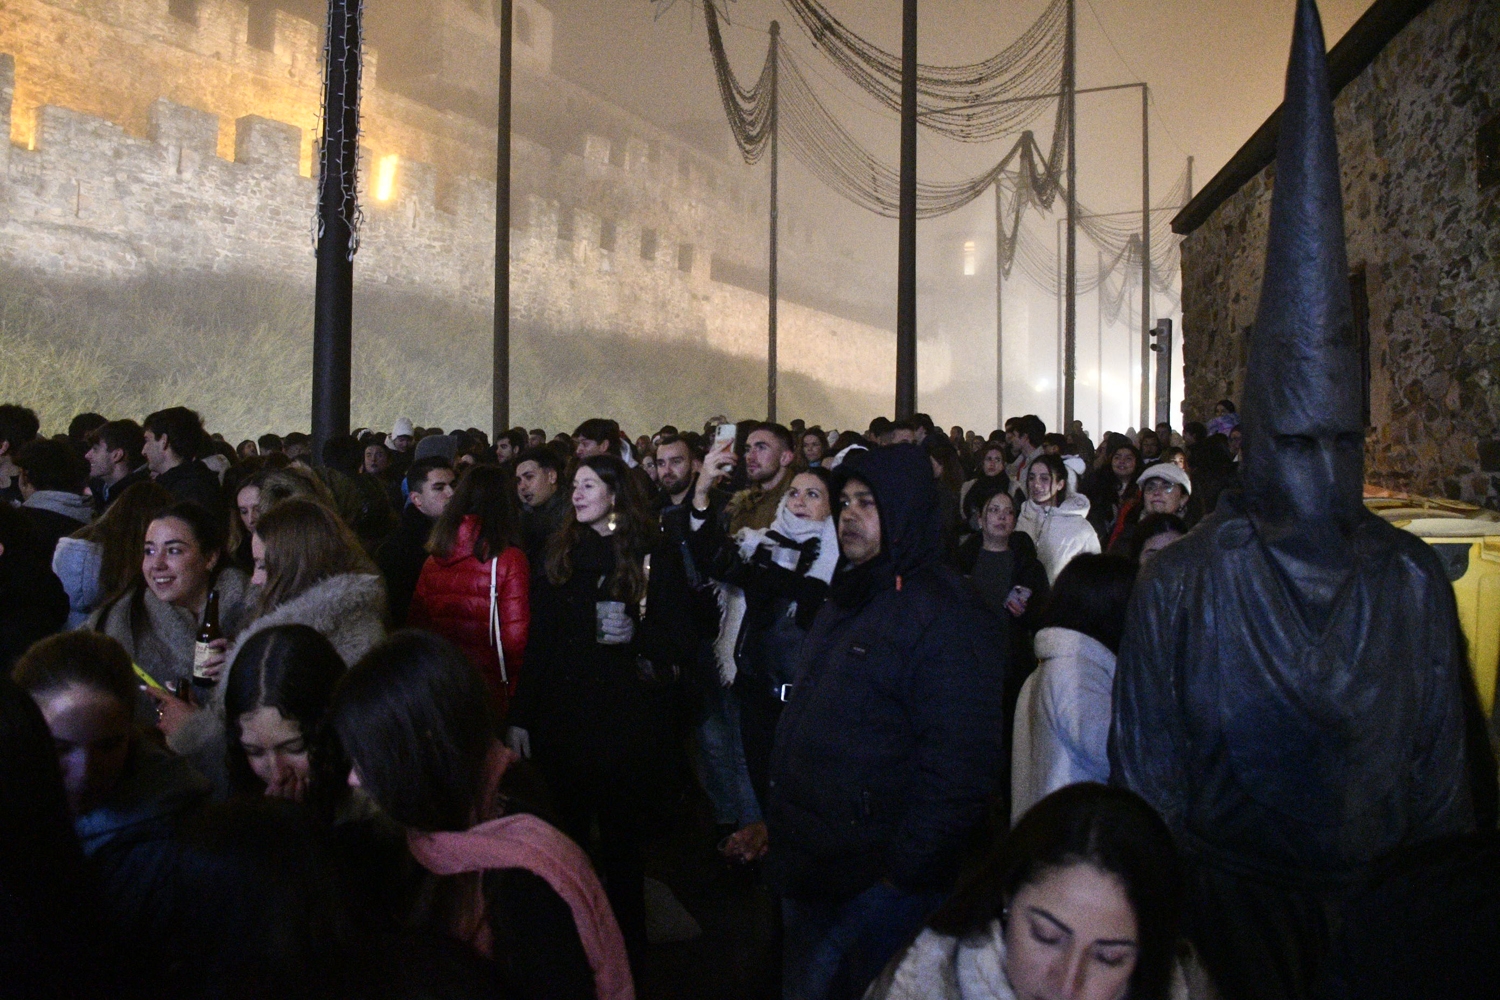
(1467,540)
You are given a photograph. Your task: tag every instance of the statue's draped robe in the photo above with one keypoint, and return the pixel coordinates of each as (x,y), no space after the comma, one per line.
(1288,750)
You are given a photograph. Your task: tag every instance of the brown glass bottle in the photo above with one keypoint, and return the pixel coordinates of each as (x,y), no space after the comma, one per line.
(208,632)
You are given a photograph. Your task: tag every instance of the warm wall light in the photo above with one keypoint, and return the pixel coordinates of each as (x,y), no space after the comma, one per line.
(971,259)
(385,177)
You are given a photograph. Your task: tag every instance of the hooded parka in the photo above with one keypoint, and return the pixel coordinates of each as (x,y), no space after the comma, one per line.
(891,743)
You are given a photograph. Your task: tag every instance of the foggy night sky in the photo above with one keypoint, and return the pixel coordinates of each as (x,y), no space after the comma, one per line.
(1215,67)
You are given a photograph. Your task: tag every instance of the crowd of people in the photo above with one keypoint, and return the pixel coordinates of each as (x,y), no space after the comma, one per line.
(400,719)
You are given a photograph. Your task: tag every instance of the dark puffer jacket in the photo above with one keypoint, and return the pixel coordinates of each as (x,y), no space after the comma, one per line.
(892,742)
(453,599)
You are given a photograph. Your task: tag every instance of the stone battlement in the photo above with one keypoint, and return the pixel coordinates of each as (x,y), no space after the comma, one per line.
(621,252)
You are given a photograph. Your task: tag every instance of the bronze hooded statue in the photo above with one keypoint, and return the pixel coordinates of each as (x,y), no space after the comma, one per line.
(1292,693)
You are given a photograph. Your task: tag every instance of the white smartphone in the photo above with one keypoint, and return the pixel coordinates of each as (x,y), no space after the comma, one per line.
(725,432)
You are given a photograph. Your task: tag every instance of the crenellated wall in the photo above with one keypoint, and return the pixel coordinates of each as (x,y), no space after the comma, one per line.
(85,198)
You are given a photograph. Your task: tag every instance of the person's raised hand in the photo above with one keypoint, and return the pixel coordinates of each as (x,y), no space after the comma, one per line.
(171,711)
(811,549)
(213,667)
(288,784)
(717,465)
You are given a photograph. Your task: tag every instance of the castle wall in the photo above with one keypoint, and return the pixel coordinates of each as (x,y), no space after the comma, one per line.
(91,200)
(1426,237)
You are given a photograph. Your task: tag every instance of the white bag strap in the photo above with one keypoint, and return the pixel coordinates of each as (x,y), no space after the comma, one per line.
(495,617)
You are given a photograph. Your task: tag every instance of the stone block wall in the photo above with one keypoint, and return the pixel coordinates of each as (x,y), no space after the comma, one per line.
(1427,239)
(92,201)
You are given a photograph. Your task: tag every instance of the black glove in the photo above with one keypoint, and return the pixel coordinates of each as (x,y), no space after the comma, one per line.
(810,551)
(762,555)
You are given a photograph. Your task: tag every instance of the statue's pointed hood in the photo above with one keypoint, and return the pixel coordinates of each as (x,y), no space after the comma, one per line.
(1304,376)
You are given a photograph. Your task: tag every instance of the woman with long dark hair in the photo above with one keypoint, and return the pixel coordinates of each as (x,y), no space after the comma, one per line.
(183,558)
(474,589)
(1083,899)
(1062,716)
(1115,503)
(1056,520)
(276,699)
(102,560)
(582,709)
(414,720)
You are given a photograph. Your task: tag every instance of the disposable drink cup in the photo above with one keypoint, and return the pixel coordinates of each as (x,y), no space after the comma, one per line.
(604,611)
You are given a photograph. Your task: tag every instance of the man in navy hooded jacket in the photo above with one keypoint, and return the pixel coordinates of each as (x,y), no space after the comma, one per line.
(892,741)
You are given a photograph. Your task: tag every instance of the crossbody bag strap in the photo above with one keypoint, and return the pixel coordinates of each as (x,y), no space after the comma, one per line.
(495,617)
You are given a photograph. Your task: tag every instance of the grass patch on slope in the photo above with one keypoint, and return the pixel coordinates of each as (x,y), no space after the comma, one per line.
(240,351)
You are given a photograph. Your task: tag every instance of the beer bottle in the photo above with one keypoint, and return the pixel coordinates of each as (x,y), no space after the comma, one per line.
(207,632)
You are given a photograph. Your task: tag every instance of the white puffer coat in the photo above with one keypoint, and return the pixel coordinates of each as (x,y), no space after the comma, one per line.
(1060,532)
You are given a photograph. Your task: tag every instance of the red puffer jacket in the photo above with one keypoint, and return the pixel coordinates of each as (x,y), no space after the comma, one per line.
(453,599)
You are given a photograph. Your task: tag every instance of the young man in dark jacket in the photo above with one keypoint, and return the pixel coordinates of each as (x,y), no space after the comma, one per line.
(174,440)
(892,740)
(401,556)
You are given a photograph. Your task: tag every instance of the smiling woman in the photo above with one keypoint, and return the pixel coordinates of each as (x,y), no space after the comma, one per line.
(156,619)
(1082,899)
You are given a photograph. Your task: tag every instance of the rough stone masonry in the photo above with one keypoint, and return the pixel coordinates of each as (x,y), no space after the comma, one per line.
(1424,246)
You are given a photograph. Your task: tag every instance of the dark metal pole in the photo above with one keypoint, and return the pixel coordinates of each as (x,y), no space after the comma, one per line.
(999,307)
(337,178)
(1145,255)
(775,178)
(906,271)
(1059,274)
(500,391)
(1070,323)
(1099,350)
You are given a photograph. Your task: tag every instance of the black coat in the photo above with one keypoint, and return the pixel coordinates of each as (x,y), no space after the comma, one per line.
(106,494)
(891,744)
(400,558)
(539,524)
(33,604)
(192,480)
(682,613)
(1026,571)
(588,710)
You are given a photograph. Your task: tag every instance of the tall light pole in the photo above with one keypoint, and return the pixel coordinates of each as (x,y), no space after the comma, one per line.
(999,306)
(906,270)
(775,179)
(338,161)
(1070,322)
(1145,254)
(500,388)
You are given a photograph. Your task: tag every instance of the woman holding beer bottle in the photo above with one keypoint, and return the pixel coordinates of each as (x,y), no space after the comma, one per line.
(186,591)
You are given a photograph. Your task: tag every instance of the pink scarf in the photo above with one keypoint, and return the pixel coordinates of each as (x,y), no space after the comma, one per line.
(523,841)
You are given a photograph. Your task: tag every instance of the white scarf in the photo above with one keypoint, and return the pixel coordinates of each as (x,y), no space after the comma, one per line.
(732,598)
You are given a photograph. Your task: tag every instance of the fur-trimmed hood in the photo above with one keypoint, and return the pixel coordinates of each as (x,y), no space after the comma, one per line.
(349,609)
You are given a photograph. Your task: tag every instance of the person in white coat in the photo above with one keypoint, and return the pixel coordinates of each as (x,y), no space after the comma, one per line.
(1061,732)
(1056,520)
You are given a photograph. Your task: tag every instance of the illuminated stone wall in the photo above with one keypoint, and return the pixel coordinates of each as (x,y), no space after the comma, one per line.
(147,141)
